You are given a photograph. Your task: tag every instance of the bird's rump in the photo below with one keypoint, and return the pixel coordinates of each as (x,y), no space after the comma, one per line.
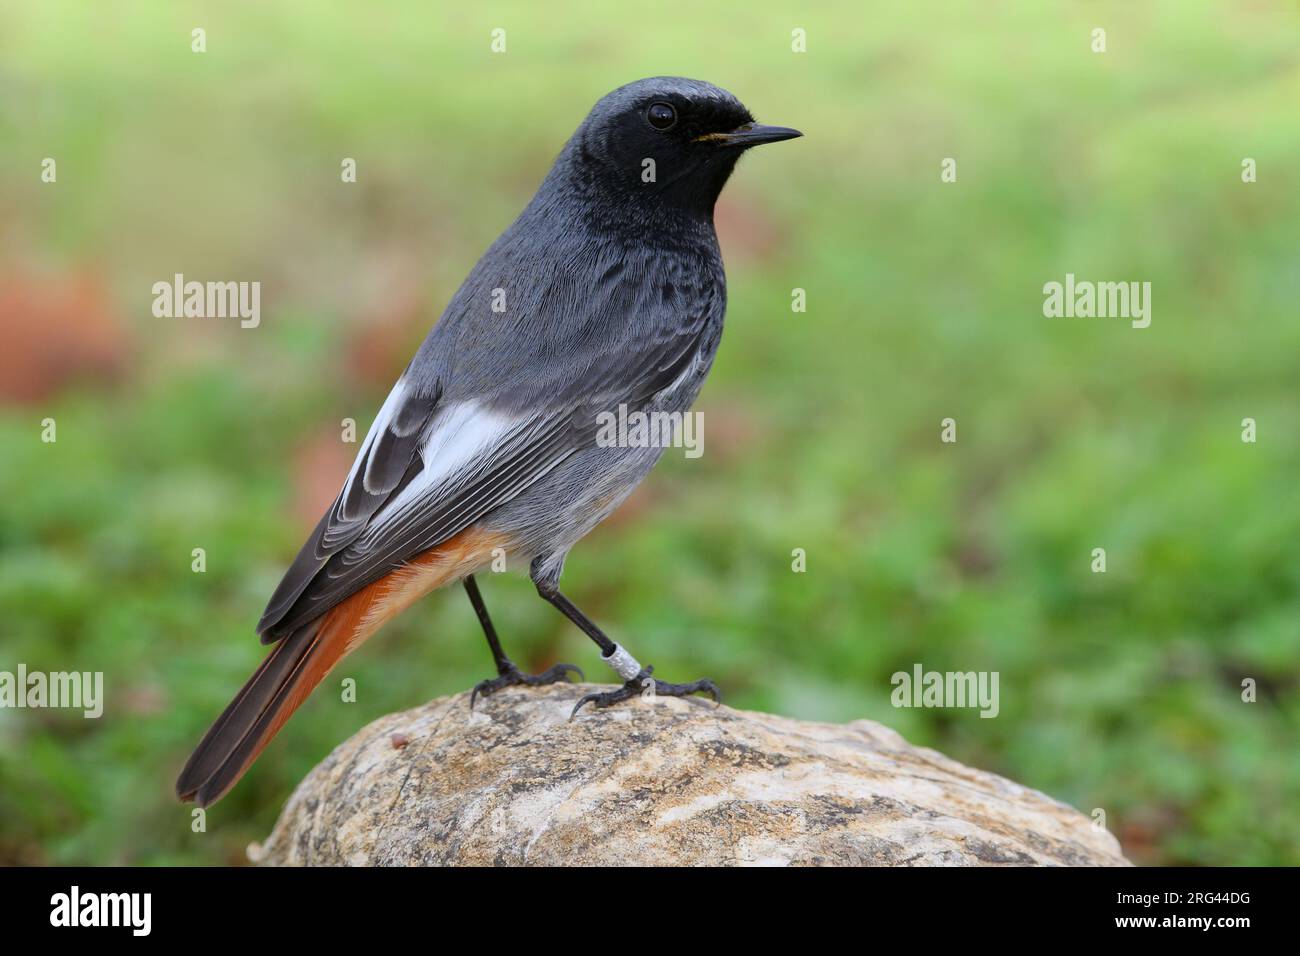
(302,659)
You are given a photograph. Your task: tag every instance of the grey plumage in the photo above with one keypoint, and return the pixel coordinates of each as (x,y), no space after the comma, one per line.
(614,293)
(607,291)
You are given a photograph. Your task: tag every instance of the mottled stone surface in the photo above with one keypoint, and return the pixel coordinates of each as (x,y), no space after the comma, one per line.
(658,782)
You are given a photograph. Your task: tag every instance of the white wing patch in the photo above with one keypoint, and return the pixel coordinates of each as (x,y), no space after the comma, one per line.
(457,434)
(453,448)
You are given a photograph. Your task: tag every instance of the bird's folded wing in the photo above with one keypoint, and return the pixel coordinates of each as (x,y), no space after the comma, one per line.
(429,468)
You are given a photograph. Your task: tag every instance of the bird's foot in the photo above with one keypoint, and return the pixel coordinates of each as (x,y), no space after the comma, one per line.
(644,685)
(511,675)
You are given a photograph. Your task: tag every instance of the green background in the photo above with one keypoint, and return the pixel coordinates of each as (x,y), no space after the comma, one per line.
(1119,691)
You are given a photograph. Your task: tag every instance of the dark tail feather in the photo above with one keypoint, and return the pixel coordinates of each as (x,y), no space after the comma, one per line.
(303,657)
(288,674)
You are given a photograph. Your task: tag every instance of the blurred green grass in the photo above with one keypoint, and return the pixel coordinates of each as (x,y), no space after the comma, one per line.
(1118,691)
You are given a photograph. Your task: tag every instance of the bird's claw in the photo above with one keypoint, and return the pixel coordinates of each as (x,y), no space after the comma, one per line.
(645,685)
(512,676)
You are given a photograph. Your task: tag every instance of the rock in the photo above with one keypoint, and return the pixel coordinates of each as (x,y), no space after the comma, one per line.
(659,782)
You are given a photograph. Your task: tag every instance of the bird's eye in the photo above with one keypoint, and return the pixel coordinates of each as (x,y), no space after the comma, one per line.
(661,116)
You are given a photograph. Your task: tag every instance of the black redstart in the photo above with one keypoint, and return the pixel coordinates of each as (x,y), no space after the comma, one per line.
(606,294)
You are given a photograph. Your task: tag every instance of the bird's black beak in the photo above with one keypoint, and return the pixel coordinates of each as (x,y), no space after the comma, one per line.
(751,134)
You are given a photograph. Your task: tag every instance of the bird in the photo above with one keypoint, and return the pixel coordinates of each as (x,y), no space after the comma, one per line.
(607,293)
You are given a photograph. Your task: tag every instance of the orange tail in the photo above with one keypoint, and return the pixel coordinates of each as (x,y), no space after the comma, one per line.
(301,661)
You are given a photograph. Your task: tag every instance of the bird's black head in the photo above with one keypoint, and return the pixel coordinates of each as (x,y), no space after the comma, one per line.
(665,143)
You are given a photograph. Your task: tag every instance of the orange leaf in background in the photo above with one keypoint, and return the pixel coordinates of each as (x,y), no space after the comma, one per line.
(57,329)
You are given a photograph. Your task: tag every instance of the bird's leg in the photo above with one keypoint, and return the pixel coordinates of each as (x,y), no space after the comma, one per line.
(638,681)
(507,673)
